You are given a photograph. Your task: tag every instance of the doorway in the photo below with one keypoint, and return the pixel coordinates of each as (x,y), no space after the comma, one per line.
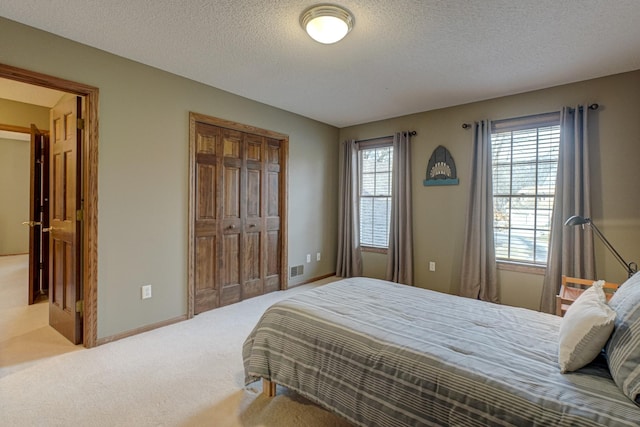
(86,257)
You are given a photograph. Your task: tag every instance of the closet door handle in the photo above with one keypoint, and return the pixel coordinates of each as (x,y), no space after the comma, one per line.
(231,227)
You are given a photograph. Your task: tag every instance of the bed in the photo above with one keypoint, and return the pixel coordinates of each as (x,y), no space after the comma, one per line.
(383,354)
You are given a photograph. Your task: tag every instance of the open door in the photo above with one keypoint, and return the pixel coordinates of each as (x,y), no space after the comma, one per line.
(38,216)
(65,305)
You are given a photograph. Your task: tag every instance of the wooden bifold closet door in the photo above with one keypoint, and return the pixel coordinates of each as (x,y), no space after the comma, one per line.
(237,210)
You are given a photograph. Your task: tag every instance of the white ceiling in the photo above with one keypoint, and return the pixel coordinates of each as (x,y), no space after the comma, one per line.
(403,56)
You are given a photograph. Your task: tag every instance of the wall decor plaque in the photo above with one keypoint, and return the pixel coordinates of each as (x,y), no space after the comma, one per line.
(441,169)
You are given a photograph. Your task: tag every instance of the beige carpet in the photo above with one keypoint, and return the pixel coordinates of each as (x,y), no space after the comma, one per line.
(187,374)
(25,335)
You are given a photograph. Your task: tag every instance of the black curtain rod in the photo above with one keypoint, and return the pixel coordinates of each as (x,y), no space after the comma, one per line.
(411,133)
(591,107)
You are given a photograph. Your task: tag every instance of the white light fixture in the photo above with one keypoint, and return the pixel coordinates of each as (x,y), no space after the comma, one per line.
(327,23)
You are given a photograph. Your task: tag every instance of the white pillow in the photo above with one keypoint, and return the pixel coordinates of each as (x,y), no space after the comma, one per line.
(585,329)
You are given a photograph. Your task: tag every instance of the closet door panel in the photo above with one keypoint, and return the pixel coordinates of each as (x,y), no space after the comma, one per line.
(231,191)
(237,194)
(232,195)
(254,184)
(253,284)
(273,253)
(252,266)
(205,273)
(207,213)
(272,279)
(230,289)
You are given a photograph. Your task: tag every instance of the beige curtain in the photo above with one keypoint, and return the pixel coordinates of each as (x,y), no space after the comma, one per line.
(400,252)
(349,260)
(570,248)
(479,275)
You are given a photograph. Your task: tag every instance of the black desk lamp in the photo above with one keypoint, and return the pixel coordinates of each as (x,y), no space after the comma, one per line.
(631,267)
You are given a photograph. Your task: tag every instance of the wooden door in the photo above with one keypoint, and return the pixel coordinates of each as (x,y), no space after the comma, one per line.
(64,231)
(207,212)
(232,181)
(236,245)
(253,213)
(273,192)
(38,216)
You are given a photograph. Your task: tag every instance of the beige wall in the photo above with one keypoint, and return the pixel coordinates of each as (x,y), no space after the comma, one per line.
(14,196)
(23,115)
(14,175)
(143,173)
(439,212)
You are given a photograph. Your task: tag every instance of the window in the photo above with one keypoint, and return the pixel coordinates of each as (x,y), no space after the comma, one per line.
(525,161)
(375,194)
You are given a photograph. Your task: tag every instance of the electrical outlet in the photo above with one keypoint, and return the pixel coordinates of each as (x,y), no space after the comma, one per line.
(432,266)
(146,292)
(308,257)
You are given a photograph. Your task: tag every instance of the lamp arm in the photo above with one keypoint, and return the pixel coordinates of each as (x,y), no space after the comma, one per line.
(627,266)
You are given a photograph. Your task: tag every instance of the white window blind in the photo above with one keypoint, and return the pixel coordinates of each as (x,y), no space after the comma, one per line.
(525,161)
(375,195)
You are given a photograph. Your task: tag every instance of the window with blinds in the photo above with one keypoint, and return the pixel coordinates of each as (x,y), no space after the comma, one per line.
(524,160)
(376,162)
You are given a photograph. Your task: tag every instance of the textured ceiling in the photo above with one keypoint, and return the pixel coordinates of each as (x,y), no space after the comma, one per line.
(403,56)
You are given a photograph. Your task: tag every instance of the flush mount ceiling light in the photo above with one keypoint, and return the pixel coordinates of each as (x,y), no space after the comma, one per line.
(327,23)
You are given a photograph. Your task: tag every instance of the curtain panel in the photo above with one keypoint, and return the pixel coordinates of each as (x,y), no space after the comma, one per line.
(479,274)
(349,258)
(400,250)
(570,248)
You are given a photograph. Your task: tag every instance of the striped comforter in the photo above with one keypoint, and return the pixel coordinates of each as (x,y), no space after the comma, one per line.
(381,354)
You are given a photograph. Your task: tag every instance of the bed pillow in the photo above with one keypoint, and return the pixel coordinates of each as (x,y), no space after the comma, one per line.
(623,349)
(585,329)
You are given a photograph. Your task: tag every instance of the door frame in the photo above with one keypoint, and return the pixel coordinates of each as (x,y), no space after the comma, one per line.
(89,161)
(283,195)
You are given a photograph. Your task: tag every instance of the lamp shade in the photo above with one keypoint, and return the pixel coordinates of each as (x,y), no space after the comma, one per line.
(326,23)
(577,220)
